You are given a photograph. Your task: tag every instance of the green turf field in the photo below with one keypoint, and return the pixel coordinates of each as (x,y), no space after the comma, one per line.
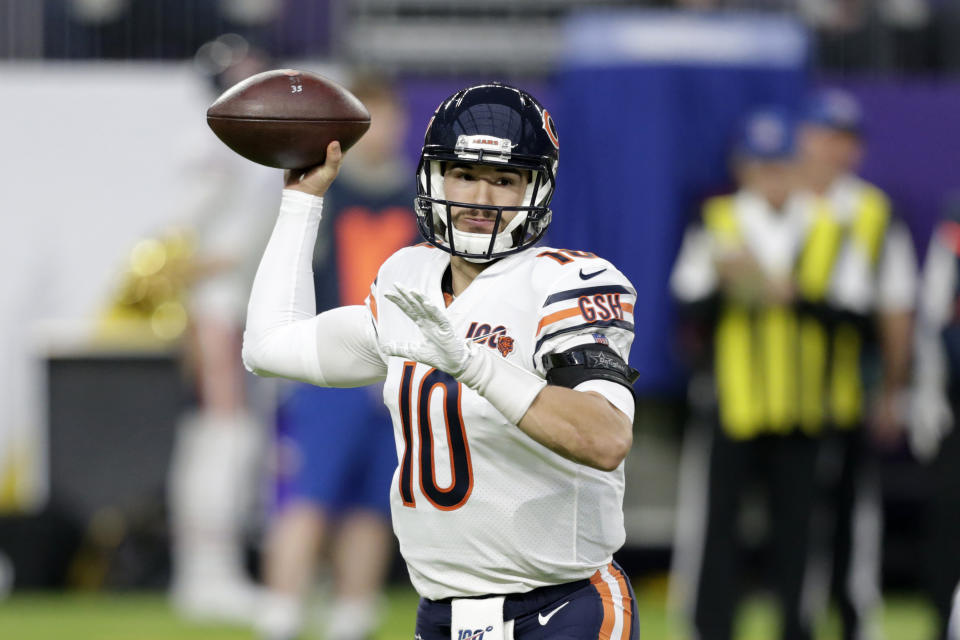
(147,617)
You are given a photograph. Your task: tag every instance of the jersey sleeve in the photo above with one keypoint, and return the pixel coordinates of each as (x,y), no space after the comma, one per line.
(588,302)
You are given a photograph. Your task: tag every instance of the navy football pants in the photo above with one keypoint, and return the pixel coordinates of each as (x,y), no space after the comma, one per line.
(600,608)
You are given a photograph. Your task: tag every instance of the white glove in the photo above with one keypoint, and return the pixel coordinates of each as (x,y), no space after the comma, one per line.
(506,386)
(442,349)
(930,421)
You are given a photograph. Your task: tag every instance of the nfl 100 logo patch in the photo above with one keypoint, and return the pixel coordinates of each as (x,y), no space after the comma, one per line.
(469,634)
(493,337)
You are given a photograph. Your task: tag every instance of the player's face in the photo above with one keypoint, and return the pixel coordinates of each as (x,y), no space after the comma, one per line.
(483,185)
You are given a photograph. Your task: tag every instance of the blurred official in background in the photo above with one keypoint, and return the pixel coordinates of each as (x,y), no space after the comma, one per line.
(336,454)
(858,280)
(218,452)
(935,407)
(736,275)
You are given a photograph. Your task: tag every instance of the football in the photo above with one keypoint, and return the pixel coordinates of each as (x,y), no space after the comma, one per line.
(285,118)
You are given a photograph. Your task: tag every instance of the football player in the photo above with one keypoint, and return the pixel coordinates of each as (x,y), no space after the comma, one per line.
(504,370)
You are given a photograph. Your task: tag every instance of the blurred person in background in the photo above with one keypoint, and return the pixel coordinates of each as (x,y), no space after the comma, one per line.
(736,277)
(217,455)
(336,450)
(863,284)
(935,407)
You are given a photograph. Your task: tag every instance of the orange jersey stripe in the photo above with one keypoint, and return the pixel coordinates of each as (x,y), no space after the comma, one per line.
(569,313)
(627,604)
(557,317)
(606,597)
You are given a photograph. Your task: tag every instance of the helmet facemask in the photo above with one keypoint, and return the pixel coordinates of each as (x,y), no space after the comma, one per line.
(435,213)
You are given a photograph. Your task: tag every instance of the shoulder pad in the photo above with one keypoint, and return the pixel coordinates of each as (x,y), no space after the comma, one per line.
(564,269)
(563,257)
(404,254)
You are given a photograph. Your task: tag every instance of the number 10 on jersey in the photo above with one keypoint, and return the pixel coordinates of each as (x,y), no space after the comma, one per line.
(456,494)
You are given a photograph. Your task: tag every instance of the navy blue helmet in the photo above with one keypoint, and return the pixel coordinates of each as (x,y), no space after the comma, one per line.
(491,124)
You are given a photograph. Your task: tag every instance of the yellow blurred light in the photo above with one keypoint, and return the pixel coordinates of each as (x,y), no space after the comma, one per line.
(169,320)
(148,257)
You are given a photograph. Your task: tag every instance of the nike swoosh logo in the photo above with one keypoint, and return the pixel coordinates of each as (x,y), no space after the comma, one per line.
(544,619)
(587,276)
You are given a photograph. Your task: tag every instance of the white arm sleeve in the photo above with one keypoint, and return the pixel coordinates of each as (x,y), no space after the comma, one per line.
(283,336)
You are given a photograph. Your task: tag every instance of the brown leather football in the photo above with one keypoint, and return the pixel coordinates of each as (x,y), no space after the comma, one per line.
(285,118)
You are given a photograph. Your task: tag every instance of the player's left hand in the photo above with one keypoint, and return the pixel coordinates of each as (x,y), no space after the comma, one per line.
(442,349)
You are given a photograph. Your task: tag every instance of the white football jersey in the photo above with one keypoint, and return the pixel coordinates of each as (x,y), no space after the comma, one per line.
(478,506)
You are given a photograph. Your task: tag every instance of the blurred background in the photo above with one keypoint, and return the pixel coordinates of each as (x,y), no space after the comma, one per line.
(139,464)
